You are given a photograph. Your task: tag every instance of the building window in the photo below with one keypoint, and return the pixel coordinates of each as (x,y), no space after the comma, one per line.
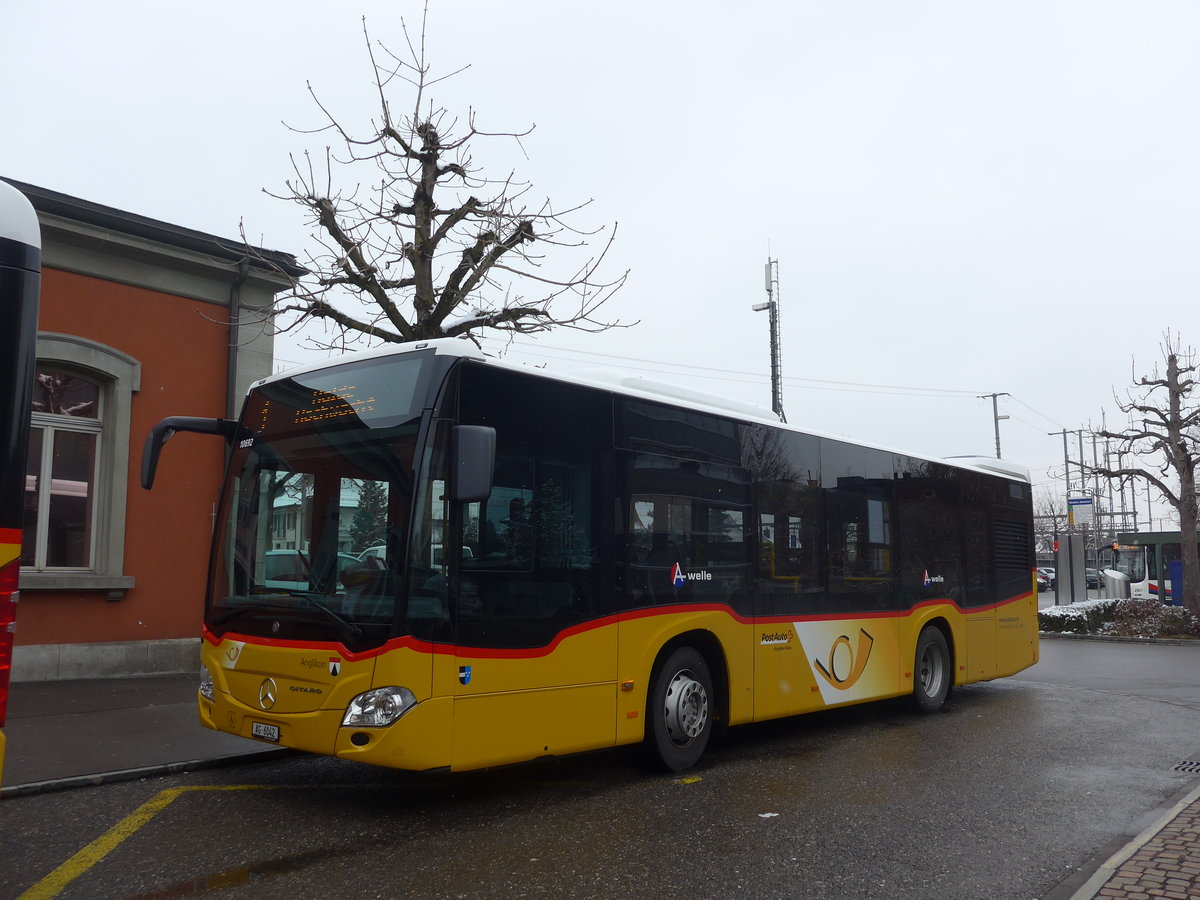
(76,470)
(60,471)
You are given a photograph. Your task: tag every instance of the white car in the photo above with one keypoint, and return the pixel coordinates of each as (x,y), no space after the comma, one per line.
(288,570)
(380,552)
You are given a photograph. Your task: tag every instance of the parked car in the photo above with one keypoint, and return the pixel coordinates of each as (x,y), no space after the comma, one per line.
(380,552)
(1043,583)
(288,570)
(1047,573)
(1093,578)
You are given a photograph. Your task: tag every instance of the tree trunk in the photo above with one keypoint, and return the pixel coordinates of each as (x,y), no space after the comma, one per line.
(1168,430)
(1180,454)
(1189,592)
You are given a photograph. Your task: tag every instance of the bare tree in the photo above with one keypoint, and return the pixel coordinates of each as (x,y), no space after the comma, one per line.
(427,246)
(1164,427)
(1049,520)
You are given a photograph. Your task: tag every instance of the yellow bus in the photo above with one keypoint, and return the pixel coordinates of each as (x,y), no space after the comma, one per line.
(492,563)
(20,278)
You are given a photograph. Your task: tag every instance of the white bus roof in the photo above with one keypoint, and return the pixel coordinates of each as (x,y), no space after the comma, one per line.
(620,382)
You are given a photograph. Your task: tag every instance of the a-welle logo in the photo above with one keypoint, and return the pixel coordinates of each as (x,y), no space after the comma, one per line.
(846,664)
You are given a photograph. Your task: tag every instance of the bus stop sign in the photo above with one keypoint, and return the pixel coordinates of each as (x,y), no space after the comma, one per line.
(1079,511)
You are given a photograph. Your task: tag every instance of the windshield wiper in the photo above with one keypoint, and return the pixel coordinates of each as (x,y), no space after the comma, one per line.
(310,601)
(351,629)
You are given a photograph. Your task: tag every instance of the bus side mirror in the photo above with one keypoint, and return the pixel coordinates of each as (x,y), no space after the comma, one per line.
(165,430)
(472,461)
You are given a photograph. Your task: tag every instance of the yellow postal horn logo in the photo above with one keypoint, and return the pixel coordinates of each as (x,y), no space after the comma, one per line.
(846,664)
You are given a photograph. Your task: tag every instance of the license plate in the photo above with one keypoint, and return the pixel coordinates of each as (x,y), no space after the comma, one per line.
(265,731)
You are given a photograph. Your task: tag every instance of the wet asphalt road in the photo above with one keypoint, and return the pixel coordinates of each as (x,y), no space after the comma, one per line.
(1008,792)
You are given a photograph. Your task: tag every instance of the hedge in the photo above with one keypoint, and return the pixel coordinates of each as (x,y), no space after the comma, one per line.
(1125,618)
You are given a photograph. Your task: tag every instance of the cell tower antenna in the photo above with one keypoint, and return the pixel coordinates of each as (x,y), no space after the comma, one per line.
(772,307)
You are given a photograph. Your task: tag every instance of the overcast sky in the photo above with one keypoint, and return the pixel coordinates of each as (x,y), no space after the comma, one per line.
(963,197)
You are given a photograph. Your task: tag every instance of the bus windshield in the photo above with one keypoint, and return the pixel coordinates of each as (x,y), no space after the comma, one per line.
(316,505)
(1131,562)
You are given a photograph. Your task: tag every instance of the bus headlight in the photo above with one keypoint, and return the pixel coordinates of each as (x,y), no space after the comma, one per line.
(379,708)
(206,683)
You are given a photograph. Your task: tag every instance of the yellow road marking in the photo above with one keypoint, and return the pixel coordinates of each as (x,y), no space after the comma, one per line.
(54,883)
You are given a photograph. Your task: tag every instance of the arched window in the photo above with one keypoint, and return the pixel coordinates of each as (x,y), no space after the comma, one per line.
(76,472)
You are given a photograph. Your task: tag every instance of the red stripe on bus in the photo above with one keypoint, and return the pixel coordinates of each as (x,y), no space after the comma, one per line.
(895,614)
(422,646)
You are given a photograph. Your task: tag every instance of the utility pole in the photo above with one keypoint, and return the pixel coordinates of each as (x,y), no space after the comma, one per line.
(772,307)
(1096,489)
(996,417)
(1066,457)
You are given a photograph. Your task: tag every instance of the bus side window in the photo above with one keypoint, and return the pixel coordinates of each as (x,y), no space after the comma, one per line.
(859,539)
(687,541)
(427,614)
(929,522)
(857,496)
(786,469)
(659,539)
(472,533)
(501,528)
(532,563)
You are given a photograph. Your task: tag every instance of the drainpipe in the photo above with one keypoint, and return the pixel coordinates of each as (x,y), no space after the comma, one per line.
(232,400)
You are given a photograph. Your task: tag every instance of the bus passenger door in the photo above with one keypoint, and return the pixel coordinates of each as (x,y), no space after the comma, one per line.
(535,643)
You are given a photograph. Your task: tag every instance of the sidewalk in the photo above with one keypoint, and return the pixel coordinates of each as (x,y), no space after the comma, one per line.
(74,733)
(68,733)
(1162,861)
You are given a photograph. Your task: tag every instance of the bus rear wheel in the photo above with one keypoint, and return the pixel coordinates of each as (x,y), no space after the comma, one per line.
(931,670)
(680,710)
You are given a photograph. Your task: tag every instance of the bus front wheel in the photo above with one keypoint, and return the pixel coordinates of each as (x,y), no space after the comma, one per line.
(680,710)
(931,670)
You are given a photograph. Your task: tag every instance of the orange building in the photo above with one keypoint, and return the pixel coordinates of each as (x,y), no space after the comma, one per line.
(134,326)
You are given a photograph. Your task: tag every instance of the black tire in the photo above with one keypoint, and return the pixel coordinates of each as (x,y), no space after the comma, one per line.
(680,710)
(932,674)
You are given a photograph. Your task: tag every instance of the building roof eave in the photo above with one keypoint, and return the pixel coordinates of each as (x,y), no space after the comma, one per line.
(54,203)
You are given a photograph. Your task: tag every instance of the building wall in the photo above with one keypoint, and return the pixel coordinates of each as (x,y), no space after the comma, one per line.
(145,305)
(182,353)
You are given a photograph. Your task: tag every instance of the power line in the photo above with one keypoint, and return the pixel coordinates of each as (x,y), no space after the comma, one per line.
(1042,414)
(1025,421)
(737,376)
(796,380)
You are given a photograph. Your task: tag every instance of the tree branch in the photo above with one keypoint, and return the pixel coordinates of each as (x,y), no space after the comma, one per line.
(426,234)
(1125,474)
(320,310)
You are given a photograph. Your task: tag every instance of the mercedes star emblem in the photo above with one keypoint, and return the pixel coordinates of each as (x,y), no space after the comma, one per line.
(267,693)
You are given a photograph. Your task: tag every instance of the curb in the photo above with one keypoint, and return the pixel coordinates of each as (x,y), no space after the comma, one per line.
(1117,639)
(119,775)
(1110,866)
